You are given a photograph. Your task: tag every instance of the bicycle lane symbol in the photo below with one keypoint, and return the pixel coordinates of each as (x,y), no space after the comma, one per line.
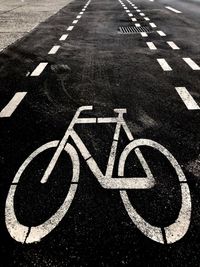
(169,234)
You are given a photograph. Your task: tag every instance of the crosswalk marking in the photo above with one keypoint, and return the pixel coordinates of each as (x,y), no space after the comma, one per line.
(161,33)
(173,45)
(153,25)
(8,110)
(187,98)
(144,34)
(151,45)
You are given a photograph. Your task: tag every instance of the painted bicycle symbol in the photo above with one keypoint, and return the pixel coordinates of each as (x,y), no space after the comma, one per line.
(169,234)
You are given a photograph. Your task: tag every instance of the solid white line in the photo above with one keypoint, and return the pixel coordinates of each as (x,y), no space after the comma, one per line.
(75,21)
(191,63)
(187,98)
(151,45)
(63,37)
(12,105)
(70,28)
(39,69)
(164,65)
(153,25)
(173,9)
(144,34)
(54,49)
(161,33)
(173,45)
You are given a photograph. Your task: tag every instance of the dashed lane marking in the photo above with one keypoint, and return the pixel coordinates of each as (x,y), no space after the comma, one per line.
(187,98)
(191,63)
(12,105)
(173,9)
(137,25)
(153,25)
(144,34)
(63,37)
(70,28)
(39,69)
(173,45)
(134,19)
(54,49)
(164,65)
(75,21)
(130,14)
(151,46)
(142,14)
(78,17)
(161,33)
(147,19)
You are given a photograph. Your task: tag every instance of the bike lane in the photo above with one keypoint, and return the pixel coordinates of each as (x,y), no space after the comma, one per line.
(94,66)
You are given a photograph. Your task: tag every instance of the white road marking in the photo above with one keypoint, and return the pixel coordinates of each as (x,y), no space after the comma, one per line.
(75,21)
(144,34)
(173,45)
(187,98)
(164,65)
(147,19)
(135,7)
(153,25)
(70,28)
(12,105)
(127,11)
(39,69)
(78,17)
(138,10)
(137,25)
(54,49)
(161,33)
(151,45)
(173,9)
(142,14)
(63,37)
(81,13)
(191,63)
(83,9)
(133,19)
(125,7)
(130,14)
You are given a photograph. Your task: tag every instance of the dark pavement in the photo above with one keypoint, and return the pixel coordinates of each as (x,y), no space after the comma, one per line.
(96,65)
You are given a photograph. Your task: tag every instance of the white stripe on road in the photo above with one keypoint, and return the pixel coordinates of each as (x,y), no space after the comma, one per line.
(81,13)
(161,33)
(138,10)
(75,21)
(164,65)
(187,98)
(173,45)
(191,63)
(151,45)
(137,25)
(147,19)
(142,14)
(63,37)
(173,9)
(70,28)
(78,17)
(12,105)
(39,69)
(130,14)
(153,25)
(54,49)
(144,34)
(133,19)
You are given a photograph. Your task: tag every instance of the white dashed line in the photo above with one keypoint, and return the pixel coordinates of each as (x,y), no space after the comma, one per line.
(63,37)
(147,19)
(12,105)
(133,19)
(137,25)
(78,17)
(138,10)
(39,69)
(173,9)
(187,98)
(164,65)
(70,28)
(151,45)
(191,63)
(144,34)
(142,14)
(161,33)
(54,49)
(130,14)
(173,45)
(81,13)
(127,11)
(75,21)
(153,25)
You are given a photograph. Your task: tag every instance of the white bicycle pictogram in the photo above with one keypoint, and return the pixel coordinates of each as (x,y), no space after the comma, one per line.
(169,234)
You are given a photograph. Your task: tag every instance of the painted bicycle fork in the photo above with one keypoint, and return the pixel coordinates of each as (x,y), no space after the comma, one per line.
(106,181)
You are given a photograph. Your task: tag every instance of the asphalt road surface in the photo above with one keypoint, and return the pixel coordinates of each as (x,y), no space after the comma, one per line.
(140,57)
